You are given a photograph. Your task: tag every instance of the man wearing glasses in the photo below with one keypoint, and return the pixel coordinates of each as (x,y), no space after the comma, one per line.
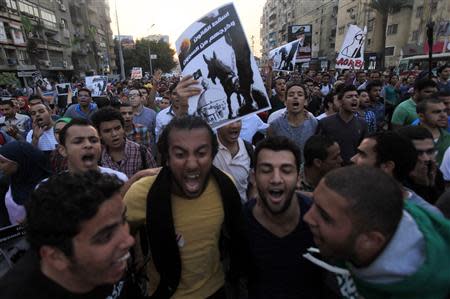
(142,115)
(85,108)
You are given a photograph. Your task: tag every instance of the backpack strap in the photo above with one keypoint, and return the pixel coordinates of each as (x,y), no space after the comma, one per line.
(250,152)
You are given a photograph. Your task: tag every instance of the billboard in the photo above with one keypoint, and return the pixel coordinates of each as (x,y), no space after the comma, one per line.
(303,34)
(127,41)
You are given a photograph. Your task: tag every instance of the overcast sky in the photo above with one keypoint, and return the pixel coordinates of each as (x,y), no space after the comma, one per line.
(172,17)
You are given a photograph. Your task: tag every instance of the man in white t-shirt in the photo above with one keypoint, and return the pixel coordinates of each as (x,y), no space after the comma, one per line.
(42,136)
(80,144)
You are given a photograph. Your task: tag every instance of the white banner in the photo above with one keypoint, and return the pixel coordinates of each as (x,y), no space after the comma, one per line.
(215,51)
(351,55)
(136,73)
(3,37)
(284,57)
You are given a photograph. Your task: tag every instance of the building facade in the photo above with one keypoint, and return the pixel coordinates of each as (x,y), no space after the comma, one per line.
(278,15)
(59,38)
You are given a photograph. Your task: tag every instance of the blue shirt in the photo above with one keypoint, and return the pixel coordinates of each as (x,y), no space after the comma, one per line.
(417,122)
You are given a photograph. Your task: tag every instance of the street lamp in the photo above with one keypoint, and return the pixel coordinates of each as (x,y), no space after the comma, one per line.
(122,67)
(149,52)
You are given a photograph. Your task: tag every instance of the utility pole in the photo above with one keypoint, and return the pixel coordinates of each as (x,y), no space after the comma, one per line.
(149,52)
(122,67)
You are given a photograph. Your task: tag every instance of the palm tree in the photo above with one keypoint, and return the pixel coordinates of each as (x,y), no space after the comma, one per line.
(384,7)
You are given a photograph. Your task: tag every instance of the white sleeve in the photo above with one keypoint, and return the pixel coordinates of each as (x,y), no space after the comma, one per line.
(445,165)
(29,136)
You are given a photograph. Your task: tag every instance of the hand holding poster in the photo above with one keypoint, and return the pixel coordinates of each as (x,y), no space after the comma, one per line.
(351,55)
(284,57)
(215,50)
(97,85)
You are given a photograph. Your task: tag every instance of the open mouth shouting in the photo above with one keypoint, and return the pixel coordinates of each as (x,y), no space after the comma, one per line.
(276,195)
(89,160)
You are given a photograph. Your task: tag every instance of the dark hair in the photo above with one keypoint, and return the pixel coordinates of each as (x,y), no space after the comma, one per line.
(74,122)
(360,91)
(328,99)
(345,89)
(134,88)
(86,90)
(125,104)
(442,68)
(278,143)
(55,222)
(7,102)
(188,123)
(423,104)
(316,148)
(391,146)
(373,84)
(443,93)
(106,114)
(415,133)
(375,202)
(291,84)
(423,83)
(276,79)
(35,97)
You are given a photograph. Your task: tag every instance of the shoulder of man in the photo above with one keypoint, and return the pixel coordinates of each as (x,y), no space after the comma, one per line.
(136,199)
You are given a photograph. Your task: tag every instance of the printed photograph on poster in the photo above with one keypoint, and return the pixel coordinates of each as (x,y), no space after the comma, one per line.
(351,55)
(215,51)
(284,57)
(136,73)
(302,34)
(63,92)
(97,85)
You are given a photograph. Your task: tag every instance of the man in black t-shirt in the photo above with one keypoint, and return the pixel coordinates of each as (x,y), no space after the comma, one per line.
(277,233)
(79,241)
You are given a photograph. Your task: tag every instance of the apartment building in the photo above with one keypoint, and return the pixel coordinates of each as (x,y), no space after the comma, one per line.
(278,15)
(56,37)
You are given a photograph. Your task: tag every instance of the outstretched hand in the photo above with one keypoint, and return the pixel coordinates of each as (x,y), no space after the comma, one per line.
(186,88)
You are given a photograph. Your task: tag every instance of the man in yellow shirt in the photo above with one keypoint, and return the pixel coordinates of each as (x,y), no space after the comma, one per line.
(189,209)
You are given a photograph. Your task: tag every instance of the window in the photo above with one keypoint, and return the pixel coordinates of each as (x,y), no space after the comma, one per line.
(415,35)
(370,25)
(434,5)
(369,41)
(341,30)
(48,15)
(28,8)
(332,45)
(389,51)
(419,12)
(392,29)
(11,4)
(333,33)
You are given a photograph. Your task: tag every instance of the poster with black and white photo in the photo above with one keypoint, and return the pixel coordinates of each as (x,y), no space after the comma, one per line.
(215,50)
(97,85)
(302,34)
(284,57)
(63,91)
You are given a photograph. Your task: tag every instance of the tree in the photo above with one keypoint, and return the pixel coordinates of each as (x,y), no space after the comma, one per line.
(9,79)
(138,57)
(384,7)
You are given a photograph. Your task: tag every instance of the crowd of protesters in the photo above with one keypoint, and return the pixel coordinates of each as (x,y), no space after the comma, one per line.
(340,190)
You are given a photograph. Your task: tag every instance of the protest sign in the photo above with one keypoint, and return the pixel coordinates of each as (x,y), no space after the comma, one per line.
(136,73)
(284,57)
(351,55)
(215,51)
(302,34)
(63,91)
(97,85)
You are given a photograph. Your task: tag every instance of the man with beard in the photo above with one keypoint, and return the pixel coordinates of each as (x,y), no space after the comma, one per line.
(278,235)
(80,145)
(79,241)
(42,135)
(192,213)
(85,108)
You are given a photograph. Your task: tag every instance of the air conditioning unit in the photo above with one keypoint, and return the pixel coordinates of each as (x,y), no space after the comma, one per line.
(46,63)
(62,24)
(62,7)
(64,63)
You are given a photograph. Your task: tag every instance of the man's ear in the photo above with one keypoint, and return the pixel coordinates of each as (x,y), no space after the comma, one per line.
(317,163)
(62,150)
(368,244)
(388,167)
(54,258)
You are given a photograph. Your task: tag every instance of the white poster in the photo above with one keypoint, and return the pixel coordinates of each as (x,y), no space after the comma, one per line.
(3,37)
(215,50)
(97,85)
(351,55)
(284,57)
(136,73)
